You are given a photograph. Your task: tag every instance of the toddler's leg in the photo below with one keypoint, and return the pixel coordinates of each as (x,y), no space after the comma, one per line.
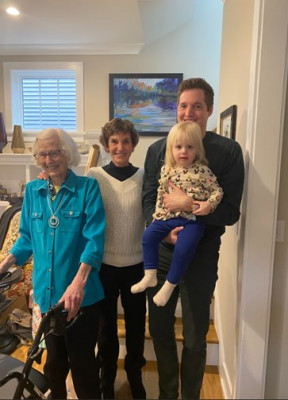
(149,280)
(163,295)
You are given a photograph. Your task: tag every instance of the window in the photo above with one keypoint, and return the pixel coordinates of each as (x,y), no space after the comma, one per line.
(48,102)
(41,95)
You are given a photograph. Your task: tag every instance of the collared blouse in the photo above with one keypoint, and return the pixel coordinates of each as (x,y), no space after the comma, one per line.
(58,252)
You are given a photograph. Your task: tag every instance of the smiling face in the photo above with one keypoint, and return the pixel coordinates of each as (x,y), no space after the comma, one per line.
(120,148)
(192,107)
(55,162)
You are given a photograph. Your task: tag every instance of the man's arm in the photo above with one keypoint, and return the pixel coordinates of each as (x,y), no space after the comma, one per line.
(153,163)
(231,178)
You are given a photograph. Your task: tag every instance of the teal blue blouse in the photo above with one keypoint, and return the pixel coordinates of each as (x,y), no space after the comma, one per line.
(58,252)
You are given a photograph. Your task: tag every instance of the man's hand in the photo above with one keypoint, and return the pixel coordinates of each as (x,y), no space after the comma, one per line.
(173,235)
(177,200)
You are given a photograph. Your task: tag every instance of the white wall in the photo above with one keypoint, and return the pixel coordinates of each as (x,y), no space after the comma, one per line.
(234,84)
(277,361)
(193,49)
(256,82)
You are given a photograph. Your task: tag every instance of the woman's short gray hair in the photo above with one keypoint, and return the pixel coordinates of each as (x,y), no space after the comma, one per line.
(66,143)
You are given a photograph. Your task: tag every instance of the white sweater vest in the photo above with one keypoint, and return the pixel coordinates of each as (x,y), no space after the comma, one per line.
(124,217)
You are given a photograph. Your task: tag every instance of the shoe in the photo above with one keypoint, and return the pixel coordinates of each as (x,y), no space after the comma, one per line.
(136,386)
(138,391)
(107,379)
(108,392)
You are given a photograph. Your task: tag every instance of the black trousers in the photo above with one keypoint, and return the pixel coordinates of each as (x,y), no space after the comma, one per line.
(196,290)
(117,281)
(75,350)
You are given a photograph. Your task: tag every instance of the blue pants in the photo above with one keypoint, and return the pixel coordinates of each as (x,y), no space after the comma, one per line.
(184,250)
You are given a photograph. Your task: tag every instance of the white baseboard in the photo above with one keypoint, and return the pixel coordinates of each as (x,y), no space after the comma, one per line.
(225,382)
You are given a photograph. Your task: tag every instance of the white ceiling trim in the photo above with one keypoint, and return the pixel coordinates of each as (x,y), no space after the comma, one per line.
(71,49)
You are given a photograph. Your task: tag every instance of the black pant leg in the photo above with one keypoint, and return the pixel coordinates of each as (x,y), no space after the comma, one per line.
(161,326)
(108,342)
(56,367)
(134,306)
(81,339)
(196,291)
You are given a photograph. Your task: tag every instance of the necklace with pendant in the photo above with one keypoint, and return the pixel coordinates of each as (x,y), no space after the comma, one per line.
(53,221)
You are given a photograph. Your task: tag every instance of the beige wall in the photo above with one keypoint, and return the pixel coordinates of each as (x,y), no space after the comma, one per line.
(253,75)
(234,84)
(193,49)
(277,361)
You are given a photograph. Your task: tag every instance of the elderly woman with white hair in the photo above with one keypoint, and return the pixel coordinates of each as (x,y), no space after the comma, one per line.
(63,225)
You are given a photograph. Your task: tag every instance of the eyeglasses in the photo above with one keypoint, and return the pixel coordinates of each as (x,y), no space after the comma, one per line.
(51,154)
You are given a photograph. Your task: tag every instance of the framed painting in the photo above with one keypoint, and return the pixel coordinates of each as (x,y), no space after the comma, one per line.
(228,122)
(149,101)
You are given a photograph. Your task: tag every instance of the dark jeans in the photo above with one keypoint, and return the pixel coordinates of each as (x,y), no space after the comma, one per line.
(76,351)
(118,281)
(196,290)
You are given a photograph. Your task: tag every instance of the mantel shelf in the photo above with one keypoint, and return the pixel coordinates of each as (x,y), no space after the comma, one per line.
(18,169)
(27,159)
(11,158)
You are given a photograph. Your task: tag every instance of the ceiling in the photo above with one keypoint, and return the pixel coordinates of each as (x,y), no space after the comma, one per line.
(63,27)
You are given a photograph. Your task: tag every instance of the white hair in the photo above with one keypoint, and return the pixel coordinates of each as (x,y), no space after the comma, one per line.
(67,144)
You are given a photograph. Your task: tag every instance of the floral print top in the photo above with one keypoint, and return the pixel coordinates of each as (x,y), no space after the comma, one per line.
(198,182)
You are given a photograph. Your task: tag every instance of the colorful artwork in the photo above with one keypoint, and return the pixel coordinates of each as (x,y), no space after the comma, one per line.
(147,100)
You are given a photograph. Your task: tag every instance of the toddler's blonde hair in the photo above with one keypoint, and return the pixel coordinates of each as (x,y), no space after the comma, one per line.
(190,133)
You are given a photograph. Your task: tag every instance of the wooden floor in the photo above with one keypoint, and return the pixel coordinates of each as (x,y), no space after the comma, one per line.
(211,388)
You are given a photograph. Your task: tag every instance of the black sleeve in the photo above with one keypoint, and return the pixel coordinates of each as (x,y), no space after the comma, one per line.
(230,174)
(152,166)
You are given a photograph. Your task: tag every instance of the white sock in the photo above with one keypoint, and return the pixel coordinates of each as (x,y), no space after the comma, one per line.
(149,280)
(164,294)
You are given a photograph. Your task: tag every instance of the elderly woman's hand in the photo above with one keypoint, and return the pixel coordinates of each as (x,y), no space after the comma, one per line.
(74,293)
(72,298)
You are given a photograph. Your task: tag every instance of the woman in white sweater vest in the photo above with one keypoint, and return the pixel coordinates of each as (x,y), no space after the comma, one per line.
(121,186)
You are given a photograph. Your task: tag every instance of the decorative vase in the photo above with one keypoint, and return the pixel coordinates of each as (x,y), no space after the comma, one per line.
(17,145)
(3,136)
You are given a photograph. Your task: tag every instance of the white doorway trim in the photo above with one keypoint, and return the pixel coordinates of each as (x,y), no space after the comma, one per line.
(264,141)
